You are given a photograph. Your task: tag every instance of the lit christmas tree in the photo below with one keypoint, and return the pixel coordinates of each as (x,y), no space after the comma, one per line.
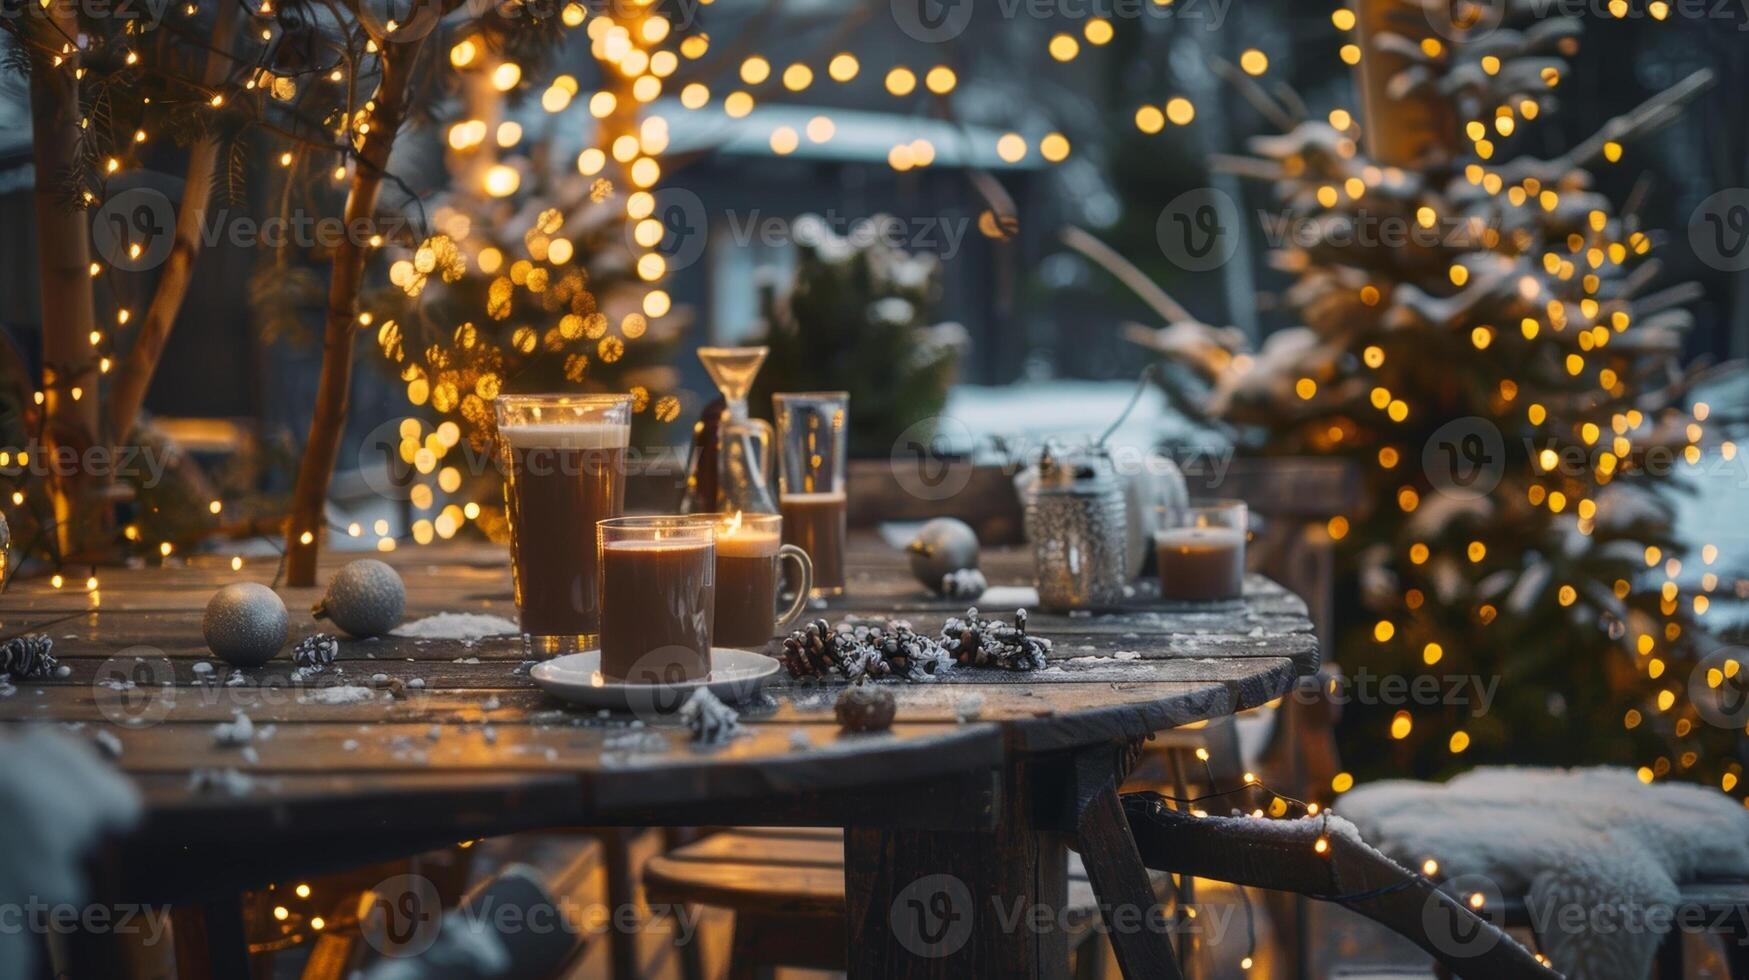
(1481,340)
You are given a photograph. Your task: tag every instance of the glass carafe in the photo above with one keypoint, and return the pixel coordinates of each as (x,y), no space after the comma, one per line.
(744,443)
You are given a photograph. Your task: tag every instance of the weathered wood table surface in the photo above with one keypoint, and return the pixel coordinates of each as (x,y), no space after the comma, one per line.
(470,748)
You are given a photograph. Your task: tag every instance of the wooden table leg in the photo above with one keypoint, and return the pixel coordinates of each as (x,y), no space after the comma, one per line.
(211,943)
(955,904)
(622,893)
(1114,868)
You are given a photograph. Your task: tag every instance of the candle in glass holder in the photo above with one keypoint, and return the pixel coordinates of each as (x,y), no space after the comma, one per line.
(1201,552)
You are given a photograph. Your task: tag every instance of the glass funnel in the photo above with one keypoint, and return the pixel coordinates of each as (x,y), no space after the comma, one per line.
(744,443)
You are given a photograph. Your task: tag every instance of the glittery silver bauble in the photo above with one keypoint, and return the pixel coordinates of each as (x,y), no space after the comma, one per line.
(244,624)
(943,546)
(366,598)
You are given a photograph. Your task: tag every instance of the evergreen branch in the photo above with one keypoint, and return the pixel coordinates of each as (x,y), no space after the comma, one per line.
(1259,98)
(230,179)
(1650,115)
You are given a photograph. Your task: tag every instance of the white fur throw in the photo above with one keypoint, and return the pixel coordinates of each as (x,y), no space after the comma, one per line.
(57,798)
(1596,853)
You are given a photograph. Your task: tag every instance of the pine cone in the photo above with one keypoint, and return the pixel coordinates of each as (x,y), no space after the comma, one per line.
(316,651)
(28,656)
(812,650)
(978,642)
(910,652)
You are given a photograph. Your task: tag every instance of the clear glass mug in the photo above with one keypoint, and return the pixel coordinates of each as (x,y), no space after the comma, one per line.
(749,565)
(564,463)
(658,597)
(1201,550)
(813,431)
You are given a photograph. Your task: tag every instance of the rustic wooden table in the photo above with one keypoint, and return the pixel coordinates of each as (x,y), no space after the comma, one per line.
(475,750)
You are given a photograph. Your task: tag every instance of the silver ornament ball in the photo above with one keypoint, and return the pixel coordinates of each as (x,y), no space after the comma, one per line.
(366,598)
(244,624)
(943,546)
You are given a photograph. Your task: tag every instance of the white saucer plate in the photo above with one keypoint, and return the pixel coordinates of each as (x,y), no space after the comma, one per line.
(736,675)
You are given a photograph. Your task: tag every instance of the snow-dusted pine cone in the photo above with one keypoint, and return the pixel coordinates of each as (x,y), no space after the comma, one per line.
(905,651)
(815,650)
(316,651)
(979,642)
(29,655)
(893,648)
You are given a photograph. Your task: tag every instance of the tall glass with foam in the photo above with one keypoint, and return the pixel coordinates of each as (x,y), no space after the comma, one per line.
(564,464)
(812,430)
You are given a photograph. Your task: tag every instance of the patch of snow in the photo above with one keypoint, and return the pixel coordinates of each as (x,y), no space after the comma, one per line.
(233,781)
(967,707)
(458,626)
(238,731)
(342,694)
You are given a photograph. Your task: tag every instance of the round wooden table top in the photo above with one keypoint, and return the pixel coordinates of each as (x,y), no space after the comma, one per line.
(466,746)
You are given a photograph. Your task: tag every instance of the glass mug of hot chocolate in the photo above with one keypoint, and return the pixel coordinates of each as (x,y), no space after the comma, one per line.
(658,597)
(563,458)
(813,429)
(749,560)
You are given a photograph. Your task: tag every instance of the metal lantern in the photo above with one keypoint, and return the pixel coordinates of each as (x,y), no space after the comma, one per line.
(1079,530)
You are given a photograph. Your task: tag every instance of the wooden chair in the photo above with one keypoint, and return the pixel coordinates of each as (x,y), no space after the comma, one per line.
(786,888)
(1300,857)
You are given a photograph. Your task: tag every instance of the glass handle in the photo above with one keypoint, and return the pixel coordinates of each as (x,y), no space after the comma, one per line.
(806,564)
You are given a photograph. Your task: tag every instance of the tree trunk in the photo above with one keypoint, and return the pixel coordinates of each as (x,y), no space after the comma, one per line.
(1402,132)
(128,392)
(63,242)
(305,524)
